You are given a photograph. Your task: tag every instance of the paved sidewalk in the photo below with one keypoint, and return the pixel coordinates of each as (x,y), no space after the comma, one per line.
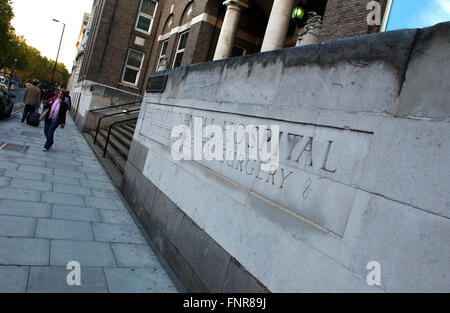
(60,206)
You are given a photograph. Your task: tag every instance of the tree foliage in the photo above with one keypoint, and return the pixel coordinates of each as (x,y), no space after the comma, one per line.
(6,15)
(30,63)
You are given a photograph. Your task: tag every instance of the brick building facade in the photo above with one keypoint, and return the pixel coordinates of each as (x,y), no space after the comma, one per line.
(128,38)
(347,19)
(113,34)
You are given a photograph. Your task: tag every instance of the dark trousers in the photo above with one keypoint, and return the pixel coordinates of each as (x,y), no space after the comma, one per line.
(28,109)
(49,131)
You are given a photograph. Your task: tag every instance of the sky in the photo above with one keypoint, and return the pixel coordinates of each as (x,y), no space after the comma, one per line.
(418,13)
(33,20)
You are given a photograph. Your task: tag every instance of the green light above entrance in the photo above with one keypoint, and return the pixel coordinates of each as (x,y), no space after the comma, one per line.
(298,13)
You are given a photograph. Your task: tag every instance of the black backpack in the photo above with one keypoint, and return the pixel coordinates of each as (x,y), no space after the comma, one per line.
(33,119)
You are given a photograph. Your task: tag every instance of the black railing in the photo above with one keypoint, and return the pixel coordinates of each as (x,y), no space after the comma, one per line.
(115,106)
(109,131)
(111,115)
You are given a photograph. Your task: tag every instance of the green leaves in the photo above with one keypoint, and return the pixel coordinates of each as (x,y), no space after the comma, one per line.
(6,15)
(30,63)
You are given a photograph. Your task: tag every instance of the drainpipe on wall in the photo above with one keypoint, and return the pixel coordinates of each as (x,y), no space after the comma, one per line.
(150,63)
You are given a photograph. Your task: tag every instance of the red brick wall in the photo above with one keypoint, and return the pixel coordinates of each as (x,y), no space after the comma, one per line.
(112,35)
(347,18)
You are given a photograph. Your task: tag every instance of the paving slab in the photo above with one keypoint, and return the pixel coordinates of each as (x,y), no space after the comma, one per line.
(30,162)
(72,163)
(62,198)
(133,255)
(103,193)
(15,226)
(69,173)
(117,233)
(30,184)
(96,184)
(9,165)
(54,280)
(115,217)
(93,171)
(4,181)
(98,178)
(62,166)
(25,175)
(13,279)
(107,204)
(24,251)
(138,280)
(35,169)
(61,229)
(75,213)
(91,164)
(62,180)
(24,208)
(71,189)
(87,253)
(29,156)
(19,194)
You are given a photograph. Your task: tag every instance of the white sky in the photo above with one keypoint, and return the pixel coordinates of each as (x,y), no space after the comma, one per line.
(33,20)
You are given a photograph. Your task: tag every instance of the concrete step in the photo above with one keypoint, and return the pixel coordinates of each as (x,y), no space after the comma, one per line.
(124,140)
(130,128)
(115,143)
(116,156)
(124,132)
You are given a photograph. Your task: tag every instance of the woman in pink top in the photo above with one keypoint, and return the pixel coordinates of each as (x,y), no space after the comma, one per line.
(54,117)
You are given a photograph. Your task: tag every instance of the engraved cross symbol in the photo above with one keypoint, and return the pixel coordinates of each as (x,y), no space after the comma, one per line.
(307,188)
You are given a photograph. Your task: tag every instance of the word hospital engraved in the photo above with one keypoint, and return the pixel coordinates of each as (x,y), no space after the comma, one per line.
(287,163)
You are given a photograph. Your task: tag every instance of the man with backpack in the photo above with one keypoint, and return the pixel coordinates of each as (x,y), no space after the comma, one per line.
(31,99)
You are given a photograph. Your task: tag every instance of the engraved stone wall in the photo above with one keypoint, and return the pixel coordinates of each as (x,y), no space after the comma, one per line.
(363,175)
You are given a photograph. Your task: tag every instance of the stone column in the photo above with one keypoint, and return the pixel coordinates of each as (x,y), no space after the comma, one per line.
(229,28)
(311,31)
(278,25)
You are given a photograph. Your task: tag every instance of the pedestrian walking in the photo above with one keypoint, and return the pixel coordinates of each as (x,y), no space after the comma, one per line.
(68,101)
(55,117)
(48,95)
(31,99)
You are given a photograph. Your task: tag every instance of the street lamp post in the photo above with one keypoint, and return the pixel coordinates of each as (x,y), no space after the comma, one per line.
(12,74)
(57,56)
(14,68)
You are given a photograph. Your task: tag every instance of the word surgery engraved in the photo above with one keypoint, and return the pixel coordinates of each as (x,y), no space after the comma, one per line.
(315,161)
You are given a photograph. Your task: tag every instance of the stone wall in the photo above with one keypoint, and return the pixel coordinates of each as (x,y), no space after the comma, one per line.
(364,172)
(91,96)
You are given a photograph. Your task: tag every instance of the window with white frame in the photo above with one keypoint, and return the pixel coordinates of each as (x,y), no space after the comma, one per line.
(147,11)
(180,49)
(162,55)
(133,67)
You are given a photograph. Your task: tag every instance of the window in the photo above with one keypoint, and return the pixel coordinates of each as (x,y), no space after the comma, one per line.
(238,51)
(133,67)
(146,15)
(163,53)
(180,49)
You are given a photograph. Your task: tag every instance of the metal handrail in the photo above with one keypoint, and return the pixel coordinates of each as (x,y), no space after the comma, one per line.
(110,115)
(115,106)
(110,128)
